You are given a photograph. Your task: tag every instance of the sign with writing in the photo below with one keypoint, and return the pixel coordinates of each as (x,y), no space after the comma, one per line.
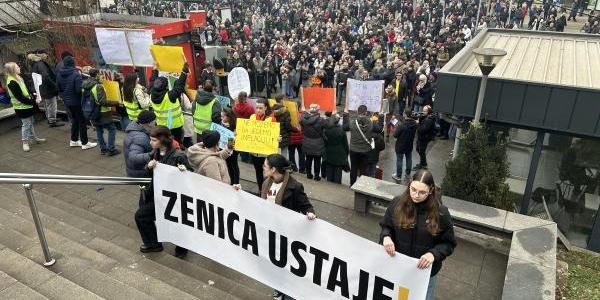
(128,47)
(37,82)
(277,246)
(225,133)
(257,136)
(112,90)
(168,58)
(325,97)
(368,93)
(238,81)
(224,101)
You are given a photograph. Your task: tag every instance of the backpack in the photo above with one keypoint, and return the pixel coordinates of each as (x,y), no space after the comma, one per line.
(4,96)
(89,106)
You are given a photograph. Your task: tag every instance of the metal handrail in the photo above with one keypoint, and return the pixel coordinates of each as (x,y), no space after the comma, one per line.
(28,179)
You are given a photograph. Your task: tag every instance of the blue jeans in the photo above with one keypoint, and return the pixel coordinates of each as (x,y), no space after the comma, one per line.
(27,131)
(340,91)
(399,157)
(111,137)
(124,120)
(431,288)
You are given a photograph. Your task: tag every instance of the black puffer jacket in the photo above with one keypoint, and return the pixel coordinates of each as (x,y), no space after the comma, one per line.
(405,136)
(282,115)
(314,142)
(69,85)
(417,241)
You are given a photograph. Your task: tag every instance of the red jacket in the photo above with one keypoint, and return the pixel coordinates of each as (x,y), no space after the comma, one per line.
(243,111)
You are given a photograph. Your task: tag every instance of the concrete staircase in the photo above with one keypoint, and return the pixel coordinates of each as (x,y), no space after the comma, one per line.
(94,239)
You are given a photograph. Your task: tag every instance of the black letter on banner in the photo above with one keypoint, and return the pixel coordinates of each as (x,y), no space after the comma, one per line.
(207,215)
(282,249)
(363,286)
(232,217)
(185,210)
(381,283)
(172,199)
(220,213)
(319,257)
(338,266)
(296,247)
(249,238)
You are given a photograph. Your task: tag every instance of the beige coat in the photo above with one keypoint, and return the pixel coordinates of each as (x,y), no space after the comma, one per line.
(209,163)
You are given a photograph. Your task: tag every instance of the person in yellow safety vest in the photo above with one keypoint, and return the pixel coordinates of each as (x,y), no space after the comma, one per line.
(135,99)
(165,103)
(92,86)
(206,108)
(23,103)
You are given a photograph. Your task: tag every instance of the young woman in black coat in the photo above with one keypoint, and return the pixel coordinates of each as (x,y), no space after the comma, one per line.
(282,189)
(418,225)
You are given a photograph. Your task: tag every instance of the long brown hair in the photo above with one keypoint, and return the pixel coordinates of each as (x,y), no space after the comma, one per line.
(163,134)
(405,211)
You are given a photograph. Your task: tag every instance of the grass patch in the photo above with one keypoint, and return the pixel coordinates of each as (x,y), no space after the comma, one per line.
(582,280)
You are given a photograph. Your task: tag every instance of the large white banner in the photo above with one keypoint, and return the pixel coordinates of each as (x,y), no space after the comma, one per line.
(277,246)
(367,93)
(115,43)
(238,81)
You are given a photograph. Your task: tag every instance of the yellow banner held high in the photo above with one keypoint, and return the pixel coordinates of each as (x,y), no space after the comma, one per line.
(257,136)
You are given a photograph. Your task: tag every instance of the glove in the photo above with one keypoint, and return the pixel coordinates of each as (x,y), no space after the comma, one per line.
(186,68)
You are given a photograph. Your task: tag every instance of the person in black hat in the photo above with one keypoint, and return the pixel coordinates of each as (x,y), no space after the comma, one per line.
(137,144)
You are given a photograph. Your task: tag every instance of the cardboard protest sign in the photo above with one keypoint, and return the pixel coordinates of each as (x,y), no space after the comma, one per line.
(168,58)
(112,90)
(225,133)
(325,97)
(278,246)
(139,43)
(238,81)
(368,93)
(257,136)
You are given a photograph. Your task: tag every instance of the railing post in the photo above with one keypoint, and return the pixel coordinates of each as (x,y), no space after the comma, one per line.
(49,261)
(143,189)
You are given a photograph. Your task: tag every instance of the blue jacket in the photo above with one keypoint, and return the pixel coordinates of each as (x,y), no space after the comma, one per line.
(137,150)
(69,86)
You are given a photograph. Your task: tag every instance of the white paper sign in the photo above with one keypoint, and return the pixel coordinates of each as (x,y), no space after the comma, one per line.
(226,14)
(367,93)
(114,47)
(140,42)
(277,246)
(238,81)
(37,82)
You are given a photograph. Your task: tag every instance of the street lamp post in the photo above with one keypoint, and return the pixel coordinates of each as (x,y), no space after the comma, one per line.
(487,59)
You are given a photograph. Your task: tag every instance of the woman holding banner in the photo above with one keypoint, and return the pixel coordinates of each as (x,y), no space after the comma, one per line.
(418,225)
(282,189)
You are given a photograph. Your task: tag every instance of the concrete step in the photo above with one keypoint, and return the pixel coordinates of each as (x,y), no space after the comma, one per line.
(195,266)
(37,280)
(11,288)
(125,274)
(72,267)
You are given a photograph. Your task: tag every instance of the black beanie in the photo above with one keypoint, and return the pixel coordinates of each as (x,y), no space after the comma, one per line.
(210,138)
(69,62)
(160,84)
(146,117)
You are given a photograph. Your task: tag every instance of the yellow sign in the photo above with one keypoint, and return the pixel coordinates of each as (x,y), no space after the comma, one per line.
(293,109)
(112,90)
(168,58)
(259,137)
(191,94)
(272,102)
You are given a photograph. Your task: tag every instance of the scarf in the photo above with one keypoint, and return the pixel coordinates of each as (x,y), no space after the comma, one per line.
(267,185)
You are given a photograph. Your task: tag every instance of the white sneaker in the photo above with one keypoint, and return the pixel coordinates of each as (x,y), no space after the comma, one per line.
(39,140)
(26,147)
(89,145)
(75,144)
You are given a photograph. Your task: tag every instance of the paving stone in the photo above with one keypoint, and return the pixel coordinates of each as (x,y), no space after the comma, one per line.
(461,272)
